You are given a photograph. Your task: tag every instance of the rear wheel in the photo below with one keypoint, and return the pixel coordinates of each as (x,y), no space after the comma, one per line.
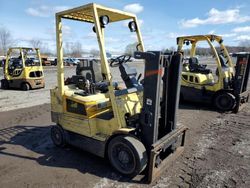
(225,101)
(181,98)
(58,136)
(4,84)
(127,155)
(25,87)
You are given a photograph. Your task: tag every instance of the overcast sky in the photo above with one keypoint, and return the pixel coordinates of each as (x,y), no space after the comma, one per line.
(161,21)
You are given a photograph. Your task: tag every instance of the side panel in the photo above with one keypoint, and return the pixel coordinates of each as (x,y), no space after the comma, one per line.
(17,73)
(196,95)
(90,116)
(91,145)
(129,104)
(77,125)
(34,83)
(70,121)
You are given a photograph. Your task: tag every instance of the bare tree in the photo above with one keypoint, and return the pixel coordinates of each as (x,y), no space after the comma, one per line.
(73,49)
(77,50)
(95,52)
(6,40)
(44,49)
(36,43)
(67,49)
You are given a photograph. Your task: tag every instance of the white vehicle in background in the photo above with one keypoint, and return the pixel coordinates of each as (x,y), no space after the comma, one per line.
(71,61)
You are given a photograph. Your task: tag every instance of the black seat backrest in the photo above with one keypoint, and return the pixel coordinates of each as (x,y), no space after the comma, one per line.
(128,75)
(90,69)
(194,66)
(193,63)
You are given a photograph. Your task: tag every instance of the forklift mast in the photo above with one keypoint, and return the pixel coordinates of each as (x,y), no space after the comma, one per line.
(161,94)
(241,72)
(159,132)
(240,81)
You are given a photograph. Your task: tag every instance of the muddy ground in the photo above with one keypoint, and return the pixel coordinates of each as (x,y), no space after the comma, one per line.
(217,151)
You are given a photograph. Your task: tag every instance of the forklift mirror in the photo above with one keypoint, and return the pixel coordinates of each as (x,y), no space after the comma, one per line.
(137,46)
(132,26)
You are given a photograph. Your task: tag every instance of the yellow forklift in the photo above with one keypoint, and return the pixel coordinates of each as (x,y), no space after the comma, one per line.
(134,127)
(221,86)
(23,69)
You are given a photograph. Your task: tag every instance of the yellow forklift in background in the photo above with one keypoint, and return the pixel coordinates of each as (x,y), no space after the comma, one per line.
(23,69)
(134,127)
(225,86)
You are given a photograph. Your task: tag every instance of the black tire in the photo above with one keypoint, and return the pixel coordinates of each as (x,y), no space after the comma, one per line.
(25,87)
(4,84)
(224,101)
(127,155)
(58,136)
(181,100)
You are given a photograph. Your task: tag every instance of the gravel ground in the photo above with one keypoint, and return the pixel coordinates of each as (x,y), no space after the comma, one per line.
(14,99)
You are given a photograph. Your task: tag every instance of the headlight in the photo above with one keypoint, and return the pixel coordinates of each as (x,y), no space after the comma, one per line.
(104,20)
(132,26)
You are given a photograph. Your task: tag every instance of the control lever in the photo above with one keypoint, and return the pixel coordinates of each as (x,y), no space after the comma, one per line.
(139,77)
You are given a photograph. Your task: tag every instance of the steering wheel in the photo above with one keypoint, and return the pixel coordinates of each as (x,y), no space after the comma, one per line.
(119,60)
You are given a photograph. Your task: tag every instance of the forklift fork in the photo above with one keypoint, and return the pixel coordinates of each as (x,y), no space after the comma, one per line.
(156,168)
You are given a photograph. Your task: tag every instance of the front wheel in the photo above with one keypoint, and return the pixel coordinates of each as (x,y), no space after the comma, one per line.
(58,136)
(25,87)
(127,155)
(225,101)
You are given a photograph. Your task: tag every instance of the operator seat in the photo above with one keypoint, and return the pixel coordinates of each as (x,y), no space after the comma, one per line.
(223,63)
(91,70)
(128,75)
(194,66)
(16,63)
